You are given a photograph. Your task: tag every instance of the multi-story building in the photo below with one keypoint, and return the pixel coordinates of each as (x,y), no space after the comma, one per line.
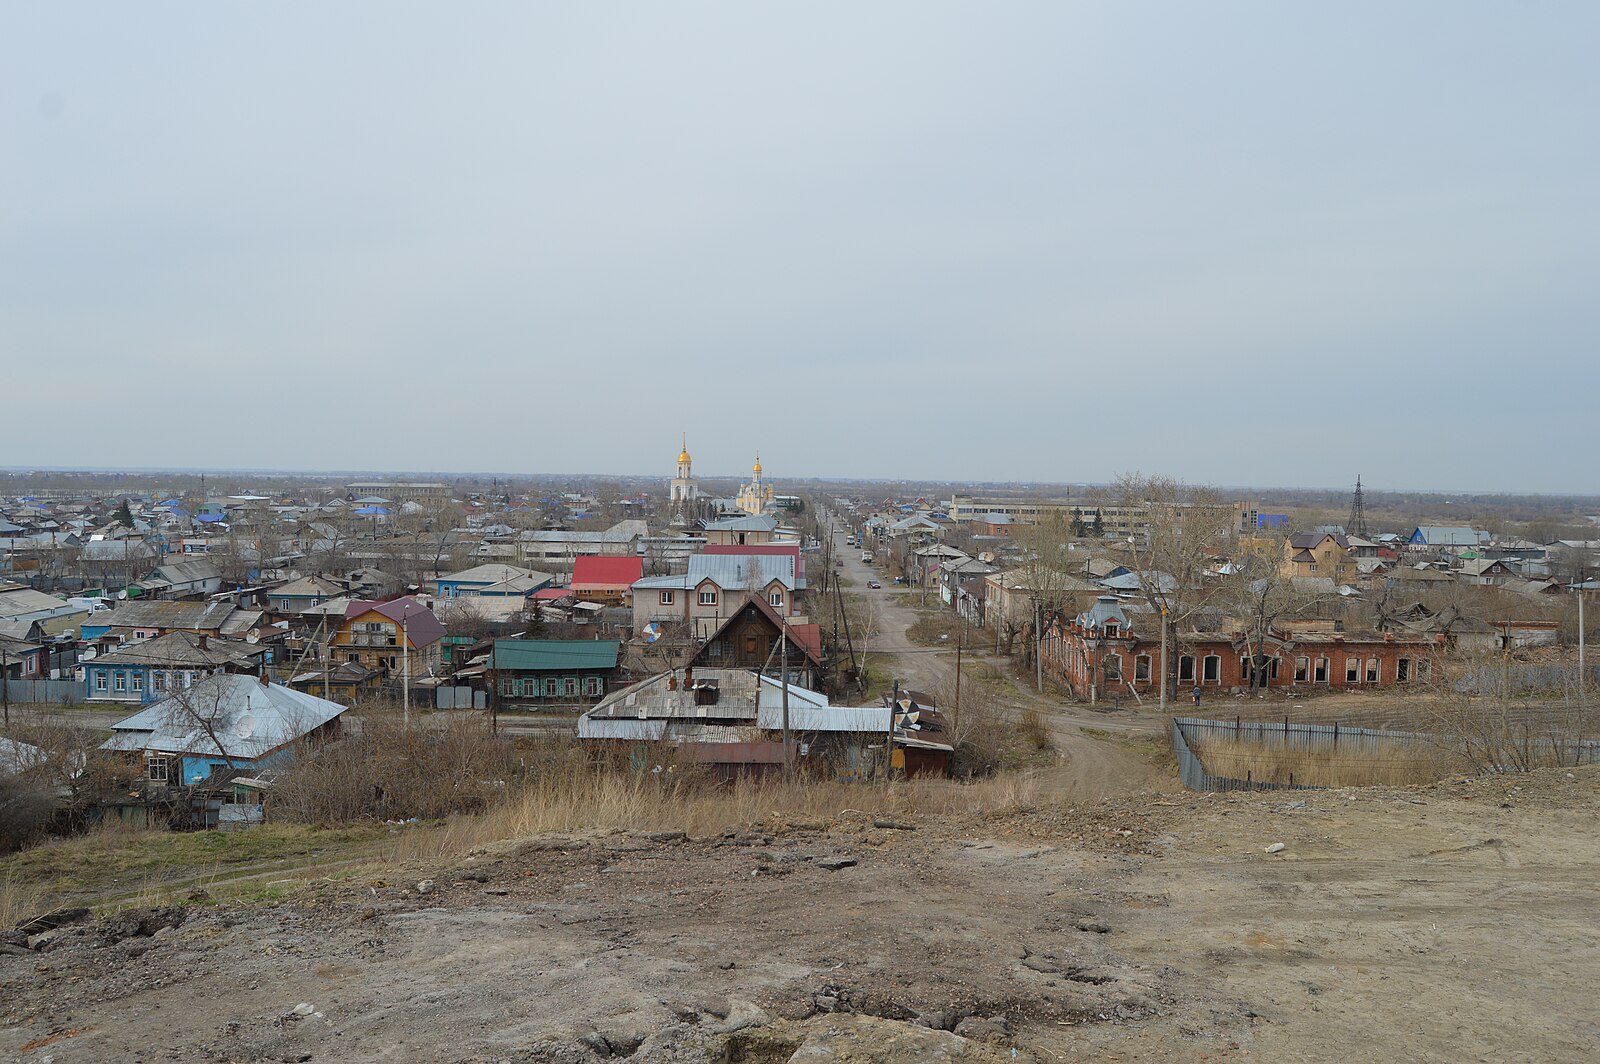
(715,587)
(1112,519)
(389,636)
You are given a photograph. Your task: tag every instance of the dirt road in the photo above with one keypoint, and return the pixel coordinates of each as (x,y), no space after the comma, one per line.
(1089,768)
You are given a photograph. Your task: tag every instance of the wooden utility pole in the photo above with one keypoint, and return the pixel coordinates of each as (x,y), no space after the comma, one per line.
(961,631)
(783,666)
(888,735)
(1038,644)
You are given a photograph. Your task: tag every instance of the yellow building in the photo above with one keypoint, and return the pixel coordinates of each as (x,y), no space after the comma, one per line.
(755,495)
(1318,554)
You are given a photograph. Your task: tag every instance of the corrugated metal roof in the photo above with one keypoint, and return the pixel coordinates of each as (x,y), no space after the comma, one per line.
(249,718)
(535,655)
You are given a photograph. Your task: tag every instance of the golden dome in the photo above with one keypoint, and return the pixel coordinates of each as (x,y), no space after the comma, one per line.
(683,455)
(757,469)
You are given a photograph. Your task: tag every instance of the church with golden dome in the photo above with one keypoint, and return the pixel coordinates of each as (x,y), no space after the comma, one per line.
(685,492)
(755,494)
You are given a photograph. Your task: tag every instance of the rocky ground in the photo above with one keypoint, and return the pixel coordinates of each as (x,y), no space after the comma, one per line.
(1448,923)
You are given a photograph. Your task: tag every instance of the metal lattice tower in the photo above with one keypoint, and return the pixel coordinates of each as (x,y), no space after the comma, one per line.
(1357,525)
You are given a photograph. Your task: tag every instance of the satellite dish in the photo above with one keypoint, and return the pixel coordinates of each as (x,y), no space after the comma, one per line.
(651,632)
(246,726)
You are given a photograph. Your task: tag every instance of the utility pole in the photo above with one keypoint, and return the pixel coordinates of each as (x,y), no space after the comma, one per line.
(405,667)
(888,736)
(1038,645)
(961,631)
(1583,707)
(5,676)
(783,667)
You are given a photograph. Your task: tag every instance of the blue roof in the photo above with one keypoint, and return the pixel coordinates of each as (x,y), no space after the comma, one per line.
(208,518)
(369,511)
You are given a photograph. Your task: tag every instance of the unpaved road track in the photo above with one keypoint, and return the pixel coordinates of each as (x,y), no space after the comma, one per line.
(1090,768)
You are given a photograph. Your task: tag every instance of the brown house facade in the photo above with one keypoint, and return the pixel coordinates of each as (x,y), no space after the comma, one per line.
(1098,654)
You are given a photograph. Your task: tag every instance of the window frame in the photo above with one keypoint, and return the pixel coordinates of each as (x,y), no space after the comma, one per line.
(666,598)
(1186,668)
(708,598)
(1141,668)
(1352,670)
(1302,668)
(1211,669)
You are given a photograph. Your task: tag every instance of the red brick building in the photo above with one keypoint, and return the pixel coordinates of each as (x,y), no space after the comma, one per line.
(1099,654)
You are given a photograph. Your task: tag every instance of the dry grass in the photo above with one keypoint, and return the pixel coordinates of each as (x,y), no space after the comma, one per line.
(1033,729)
(1354,766)
(588,801)
(18,901)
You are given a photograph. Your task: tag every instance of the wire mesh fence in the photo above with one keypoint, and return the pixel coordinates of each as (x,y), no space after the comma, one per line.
(1221,755)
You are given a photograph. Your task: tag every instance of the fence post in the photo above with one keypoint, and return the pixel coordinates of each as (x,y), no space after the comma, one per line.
(1336,735)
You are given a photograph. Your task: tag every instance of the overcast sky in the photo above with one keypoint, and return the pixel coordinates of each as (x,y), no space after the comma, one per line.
(1236,243)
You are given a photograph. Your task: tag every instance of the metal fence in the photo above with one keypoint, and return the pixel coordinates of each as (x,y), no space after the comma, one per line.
(54,692)
(1524,679)
(1375,743)
(459,698)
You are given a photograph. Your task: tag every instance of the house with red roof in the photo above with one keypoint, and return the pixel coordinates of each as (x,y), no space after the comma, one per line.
(390,636)
(607,581)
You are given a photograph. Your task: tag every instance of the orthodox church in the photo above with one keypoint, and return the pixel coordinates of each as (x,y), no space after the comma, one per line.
(755,495)
(685,491)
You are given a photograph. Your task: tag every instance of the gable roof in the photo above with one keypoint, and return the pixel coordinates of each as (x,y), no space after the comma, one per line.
(603,571)
(492,573)
(178,649)
(545,655)
(422,628)
(807,637)
(200,616)
(748,523)
(1447,536)
(735,572)
(249,718)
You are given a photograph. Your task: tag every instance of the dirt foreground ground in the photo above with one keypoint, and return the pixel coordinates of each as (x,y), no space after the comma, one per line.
(1453,923)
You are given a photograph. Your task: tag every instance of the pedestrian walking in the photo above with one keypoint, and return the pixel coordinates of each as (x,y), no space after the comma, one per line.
(1197,695)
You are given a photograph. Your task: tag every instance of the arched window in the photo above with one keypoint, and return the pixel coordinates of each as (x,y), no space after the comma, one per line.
(1113,668)
(1302,669)
(1186,669)
(1141,668)
(1211,669)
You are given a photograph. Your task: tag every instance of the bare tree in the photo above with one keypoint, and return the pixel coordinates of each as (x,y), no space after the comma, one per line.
(1184,530)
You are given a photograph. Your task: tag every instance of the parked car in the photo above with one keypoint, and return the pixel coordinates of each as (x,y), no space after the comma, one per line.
(874,585)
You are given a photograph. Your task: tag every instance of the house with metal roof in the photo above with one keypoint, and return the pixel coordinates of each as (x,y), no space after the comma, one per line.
(1446,536)
(750,529)
(222,724)
(608,581)
(715,587)
(731,721)
(546,671)
(150,668)
(493,579)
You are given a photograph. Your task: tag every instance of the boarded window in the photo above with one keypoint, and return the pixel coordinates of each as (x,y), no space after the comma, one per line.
(1373,670)
(1352,670)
